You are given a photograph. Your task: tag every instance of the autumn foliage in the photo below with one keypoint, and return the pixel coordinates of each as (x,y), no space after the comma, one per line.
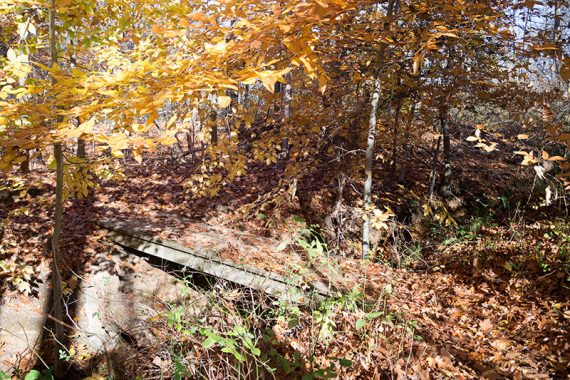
(373,119)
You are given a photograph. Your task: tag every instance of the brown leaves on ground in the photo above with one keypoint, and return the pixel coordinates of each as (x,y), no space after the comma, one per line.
(482,306)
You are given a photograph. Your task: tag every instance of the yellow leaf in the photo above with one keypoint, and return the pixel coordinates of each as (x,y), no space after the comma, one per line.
(472,138)
(11,55)
(215,49)
(490,148)
(171,121)
(137,155)
(556,158)
(269,81)
(87,126)
(522,136)
(224,101)
(545,155)
(139,128)
(117,154)
(323,83)
(94,377)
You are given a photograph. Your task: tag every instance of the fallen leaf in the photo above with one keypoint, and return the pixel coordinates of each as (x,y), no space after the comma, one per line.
(486,325)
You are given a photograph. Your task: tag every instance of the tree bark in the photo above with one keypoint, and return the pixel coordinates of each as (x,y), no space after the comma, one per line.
(433,175)
(395,132)
(213,128)
(25,165)
(369,158)
(56,258)
(81,152)
(406,155)
(447,172)
(368,165)
(287,98)
(59,369)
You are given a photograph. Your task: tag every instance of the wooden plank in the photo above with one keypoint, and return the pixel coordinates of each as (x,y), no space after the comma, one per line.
(210,263)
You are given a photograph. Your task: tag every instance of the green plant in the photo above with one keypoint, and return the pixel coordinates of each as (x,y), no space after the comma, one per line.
(328,372)
(34,374)
(312,242)
(410,254)
(180,371)
(238,341)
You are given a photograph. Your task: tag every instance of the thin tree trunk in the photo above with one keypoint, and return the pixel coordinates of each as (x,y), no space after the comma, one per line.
(213,128)
(433,175)
(25,165)
(81,151)
(56,258)
(58,222)
(287,98)
(369,159)
(406,155)
(395,132)
(368,165)
(446,183)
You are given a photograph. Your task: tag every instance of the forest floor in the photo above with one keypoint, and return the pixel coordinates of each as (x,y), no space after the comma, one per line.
(487,297)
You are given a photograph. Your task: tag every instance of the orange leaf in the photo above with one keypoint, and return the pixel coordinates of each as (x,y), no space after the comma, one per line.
(197,16)
(184,23)
(556,158)
(158,29)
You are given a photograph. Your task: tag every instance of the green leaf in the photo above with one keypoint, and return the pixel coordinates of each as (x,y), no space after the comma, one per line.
(298,219)
(374,315)
(239,330)
(209,342)
(360,324)
(33,375)
(344,362)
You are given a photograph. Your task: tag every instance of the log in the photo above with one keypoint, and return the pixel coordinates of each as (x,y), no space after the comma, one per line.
(208,262)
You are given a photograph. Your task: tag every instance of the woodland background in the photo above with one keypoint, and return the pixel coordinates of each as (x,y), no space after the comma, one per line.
(422,143)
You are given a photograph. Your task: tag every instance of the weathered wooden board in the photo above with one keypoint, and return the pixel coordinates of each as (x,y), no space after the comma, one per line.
(208,261)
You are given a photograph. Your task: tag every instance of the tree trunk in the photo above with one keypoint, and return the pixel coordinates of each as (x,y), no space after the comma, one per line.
(395,131)
(368,166)
(433,175)
(369,159)
(25,165)
(406,155)
(56,258)
(446,183)
(287,97)
(81,152)
(213,128)
(59,369)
